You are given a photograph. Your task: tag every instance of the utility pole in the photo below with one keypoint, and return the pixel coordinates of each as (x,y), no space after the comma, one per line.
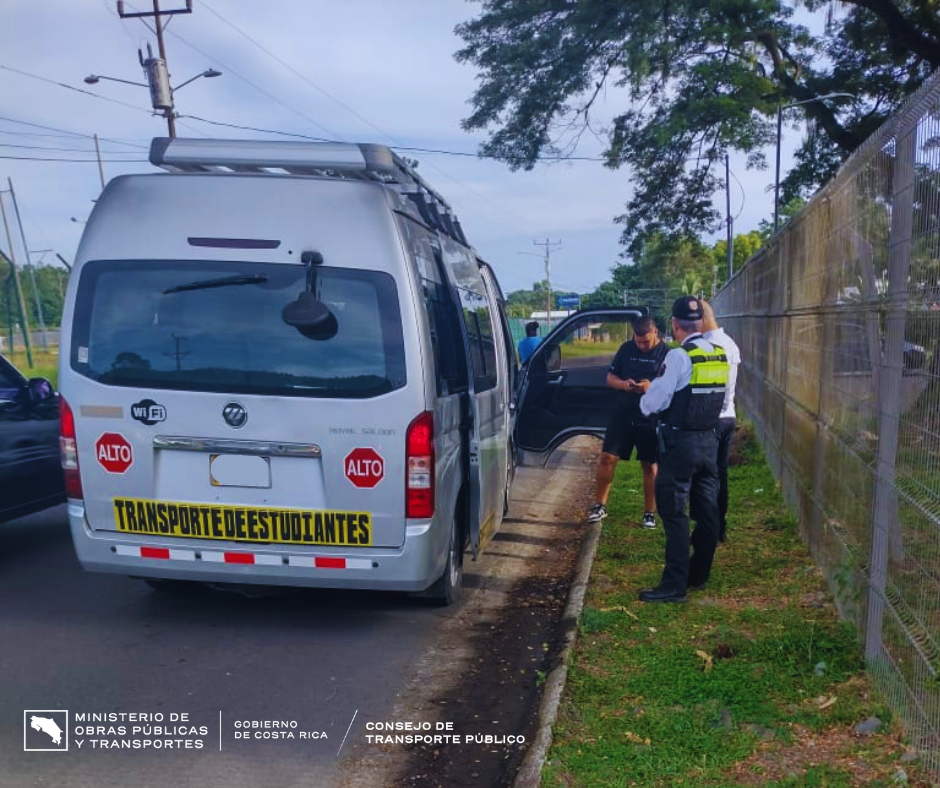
(30,268)
(100,166)
(18,292)
(157,72)
(179,355)
(548,274)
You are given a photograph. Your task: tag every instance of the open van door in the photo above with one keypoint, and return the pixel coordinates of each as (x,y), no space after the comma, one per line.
(563,391)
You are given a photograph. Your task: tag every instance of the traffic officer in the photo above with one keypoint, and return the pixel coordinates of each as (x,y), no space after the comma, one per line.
(688,395)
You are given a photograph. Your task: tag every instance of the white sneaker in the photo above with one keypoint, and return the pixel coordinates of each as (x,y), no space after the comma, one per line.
(649,520)
(598,512)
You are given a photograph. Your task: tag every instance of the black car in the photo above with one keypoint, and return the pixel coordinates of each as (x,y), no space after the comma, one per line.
(30,472)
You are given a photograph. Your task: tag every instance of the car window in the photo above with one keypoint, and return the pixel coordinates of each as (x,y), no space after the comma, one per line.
(10,383)
(209,326)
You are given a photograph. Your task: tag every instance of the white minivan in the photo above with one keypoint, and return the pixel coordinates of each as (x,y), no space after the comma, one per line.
(283,364)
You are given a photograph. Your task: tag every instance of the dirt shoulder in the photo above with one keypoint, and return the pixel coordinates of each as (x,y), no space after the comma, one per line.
(483,678)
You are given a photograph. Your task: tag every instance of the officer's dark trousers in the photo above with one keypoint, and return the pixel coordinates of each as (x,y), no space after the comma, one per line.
(726,428)
(688,473)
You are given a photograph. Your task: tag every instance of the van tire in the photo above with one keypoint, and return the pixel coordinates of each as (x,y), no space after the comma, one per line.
(448,588)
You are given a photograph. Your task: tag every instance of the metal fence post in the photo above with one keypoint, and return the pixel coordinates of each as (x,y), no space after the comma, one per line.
(885,509)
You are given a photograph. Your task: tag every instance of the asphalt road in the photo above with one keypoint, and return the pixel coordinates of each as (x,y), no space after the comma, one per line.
(324,663)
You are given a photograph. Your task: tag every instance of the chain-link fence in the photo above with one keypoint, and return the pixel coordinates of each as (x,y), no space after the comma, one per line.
(838,320)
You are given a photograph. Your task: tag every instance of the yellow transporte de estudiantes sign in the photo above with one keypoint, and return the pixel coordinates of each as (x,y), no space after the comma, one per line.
(243,523)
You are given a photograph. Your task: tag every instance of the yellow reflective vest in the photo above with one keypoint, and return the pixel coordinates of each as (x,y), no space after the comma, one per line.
(698,405)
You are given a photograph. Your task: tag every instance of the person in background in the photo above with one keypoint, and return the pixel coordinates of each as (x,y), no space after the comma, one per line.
(635,364)
(727,421)
(529,342)
(688,396)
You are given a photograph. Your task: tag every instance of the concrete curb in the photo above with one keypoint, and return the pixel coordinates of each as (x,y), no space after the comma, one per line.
(530,773)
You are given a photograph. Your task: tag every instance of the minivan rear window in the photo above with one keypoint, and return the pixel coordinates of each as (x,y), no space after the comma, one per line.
(217,326)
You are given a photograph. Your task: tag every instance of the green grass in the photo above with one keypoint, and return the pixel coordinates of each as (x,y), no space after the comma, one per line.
(603,350)
(45,364)
(709,693)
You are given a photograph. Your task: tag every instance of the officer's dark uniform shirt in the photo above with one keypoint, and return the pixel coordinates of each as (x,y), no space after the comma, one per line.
(631,363)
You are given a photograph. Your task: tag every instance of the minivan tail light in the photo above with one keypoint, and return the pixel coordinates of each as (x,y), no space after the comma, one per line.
(68,450)
(419,467)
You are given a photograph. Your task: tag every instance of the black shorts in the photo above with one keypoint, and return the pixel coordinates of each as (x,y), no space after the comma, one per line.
(623,433)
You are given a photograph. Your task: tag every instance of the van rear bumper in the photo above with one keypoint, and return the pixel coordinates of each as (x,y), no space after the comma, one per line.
(413,567)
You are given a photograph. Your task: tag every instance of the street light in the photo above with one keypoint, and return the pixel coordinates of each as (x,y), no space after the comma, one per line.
(92,79)
(158,81)
(780,109)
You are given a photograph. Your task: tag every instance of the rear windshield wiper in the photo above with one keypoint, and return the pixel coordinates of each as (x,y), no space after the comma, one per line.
(224,281)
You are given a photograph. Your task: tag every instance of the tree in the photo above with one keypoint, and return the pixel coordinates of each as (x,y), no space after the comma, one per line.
(664,268)
(698,79)
(607,294)
(788,210)
(745,247)
(522,303)
(50,285)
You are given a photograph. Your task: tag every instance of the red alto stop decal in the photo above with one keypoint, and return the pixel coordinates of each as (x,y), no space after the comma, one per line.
(364,467)
(114,453)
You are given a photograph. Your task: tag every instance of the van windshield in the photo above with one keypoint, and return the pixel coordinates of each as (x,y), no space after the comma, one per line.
(145,323)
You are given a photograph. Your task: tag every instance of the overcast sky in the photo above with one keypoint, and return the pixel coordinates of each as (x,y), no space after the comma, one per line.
(358,70)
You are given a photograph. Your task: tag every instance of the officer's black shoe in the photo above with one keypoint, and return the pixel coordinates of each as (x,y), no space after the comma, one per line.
(660,594)
(696,586)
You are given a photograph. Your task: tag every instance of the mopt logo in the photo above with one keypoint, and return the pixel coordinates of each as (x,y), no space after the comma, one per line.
(46,731)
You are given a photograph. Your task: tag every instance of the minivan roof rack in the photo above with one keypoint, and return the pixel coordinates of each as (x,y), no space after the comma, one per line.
(358,161)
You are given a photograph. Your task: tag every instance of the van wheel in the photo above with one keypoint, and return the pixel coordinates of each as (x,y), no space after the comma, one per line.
(449,586)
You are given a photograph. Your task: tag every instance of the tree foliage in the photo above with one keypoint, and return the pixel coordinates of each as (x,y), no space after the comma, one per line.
(668,266)
(522,303)
(745,246)
(50,282)
(697,79)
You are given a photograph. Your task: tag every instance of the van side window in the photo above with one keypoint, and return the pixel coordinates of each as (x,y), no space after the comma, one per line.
(449,356)
(476,316)
(489,347)
(446,344)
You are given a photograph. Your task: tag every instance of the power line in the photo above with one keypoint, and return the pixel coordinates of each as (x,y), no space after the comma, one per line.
(353,112)
(482,197)
(396,147)
(233,72)
(80,161)
(254,128)
(69,133)
(71,87)
(32,134)
(290,68)
(44,147)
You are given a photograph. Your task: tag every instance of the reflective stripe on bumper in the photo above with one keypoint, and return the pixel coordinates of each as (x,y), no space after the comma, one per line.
(239,557)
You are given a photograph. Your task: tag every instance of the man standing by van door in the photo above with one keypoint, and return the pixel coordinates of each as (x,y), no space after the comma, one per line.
(727,421)
(529,342)
(688,396)
(634,366)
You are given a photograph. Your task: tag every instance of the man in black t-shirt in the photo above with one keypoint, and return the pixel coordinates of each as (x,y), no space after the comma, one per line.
(634,366)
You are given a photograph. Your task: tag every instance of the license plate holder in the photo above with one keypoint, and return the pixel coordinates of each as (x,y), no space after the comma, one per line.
(240,470)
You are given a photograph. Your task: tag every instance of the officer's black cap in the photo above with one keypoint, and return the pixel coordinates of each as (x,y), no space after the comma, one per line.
(687,308)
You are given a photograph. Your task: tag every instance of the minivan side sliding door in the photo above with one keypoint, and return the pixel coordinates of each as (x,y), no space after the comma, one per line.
(486,459)
(564,389)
